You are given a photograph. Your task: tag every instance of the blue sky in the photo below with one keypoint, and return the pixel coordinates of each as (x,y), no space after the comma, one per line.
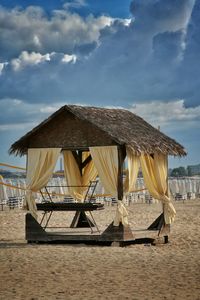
(142,55)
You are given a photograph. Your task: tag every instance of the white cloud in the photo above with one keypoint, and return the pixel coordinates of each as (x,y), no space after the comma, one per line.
(69,58)
(63,32)
(27,59)
(126,22)
(49,109)
(160,16)
(171,115)
(31,59)
(17,126)
(74,4)
(36,41)
(141,59)
(2,66)
(16,112)
(159,113)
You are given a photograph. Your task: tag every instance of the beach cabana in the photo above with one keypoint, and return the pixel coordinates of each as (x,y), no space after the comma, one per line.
(96,141)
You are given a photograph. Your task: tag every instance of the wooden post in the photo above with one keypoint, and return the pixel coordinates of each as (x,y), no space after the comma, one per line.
(78,158)
(121,157)
(159,224)
(120,175)
(81,219)
(119,233)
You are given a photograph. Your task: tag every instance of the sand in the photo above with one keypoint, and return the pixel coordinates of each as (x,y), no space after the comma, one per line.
(164,271)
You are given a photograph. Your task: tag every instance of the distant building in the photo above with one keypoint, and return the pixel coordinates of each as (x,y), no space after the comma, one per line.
(193,170)
(169,172)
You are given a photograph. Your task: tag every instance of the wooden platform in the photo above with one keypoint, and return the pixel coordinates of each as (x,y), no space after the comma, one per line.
(112,234)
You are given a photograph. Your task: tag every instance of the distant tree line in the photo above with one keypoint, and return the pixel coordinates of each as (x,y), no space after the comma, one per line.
(176,172)
(9,174)
(182,171)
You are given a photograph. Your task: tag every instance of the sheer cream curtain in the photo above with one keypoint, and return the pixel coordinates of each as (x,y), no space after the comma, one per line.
(106,162)
(40,165)
(133,168)
(89,171)
(73,175)
(155,176)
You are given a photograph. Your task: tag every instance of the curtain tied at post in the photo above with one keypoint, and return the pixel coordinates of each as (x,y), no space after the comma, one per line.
(169,210)
(29,203)
(121,215)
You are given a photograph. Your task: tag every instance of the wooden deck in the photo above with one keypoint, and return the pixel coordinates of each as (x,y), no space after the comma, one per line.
(112,234)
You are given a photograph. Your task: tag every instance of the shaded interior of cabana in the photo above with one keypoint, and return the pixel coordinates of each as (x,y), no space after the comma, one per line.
(85,135)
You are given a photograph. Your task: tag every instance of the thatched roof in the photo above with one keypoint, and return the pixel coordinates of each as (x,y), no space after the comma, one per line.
(75,127)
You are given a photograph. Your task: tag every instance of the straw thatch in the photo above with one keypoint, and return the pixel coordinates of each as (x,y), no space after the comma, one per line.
(78,127)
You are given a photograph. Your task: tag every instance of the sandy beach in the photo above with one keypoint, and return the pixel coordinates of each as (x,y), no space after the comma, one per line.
(164,271)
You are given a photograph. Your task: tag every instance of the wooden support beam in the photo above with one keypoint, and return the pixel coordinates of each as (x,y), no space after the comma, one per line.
(81,220)
(158,223)
(34,231)
(117,233)
(78,158)
(86,161)
(121,157)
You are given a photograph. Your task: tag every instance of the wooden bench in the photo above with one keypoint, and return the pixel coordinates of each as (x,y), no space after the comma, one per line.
(62,206)
(80,219)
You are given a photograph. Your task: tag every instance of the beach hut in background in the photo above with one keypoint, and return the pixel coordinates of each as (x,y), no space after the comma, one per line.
(96,141)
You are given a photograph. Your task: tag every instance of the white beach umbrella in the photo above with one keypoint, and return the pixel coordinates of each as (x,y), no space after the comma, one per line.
(173,186)
(198,186)
(140,184)
(3,191)
(187,187)
(64,184)
(14,183)
(188,184)
(176,183)
(195,184)
(59,187)
(98,189)
(18,191)
(10,191)
(181,186)
(23,185)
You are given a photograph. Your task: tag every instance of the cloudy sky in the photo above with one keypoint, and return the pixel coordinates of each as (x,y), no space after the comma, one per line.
(142,55)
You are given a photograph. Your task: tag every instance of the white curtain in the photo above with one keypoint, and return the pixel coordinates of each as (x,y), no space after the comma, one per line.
(78,184)
(40,165)
(155,176)
(106,162)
